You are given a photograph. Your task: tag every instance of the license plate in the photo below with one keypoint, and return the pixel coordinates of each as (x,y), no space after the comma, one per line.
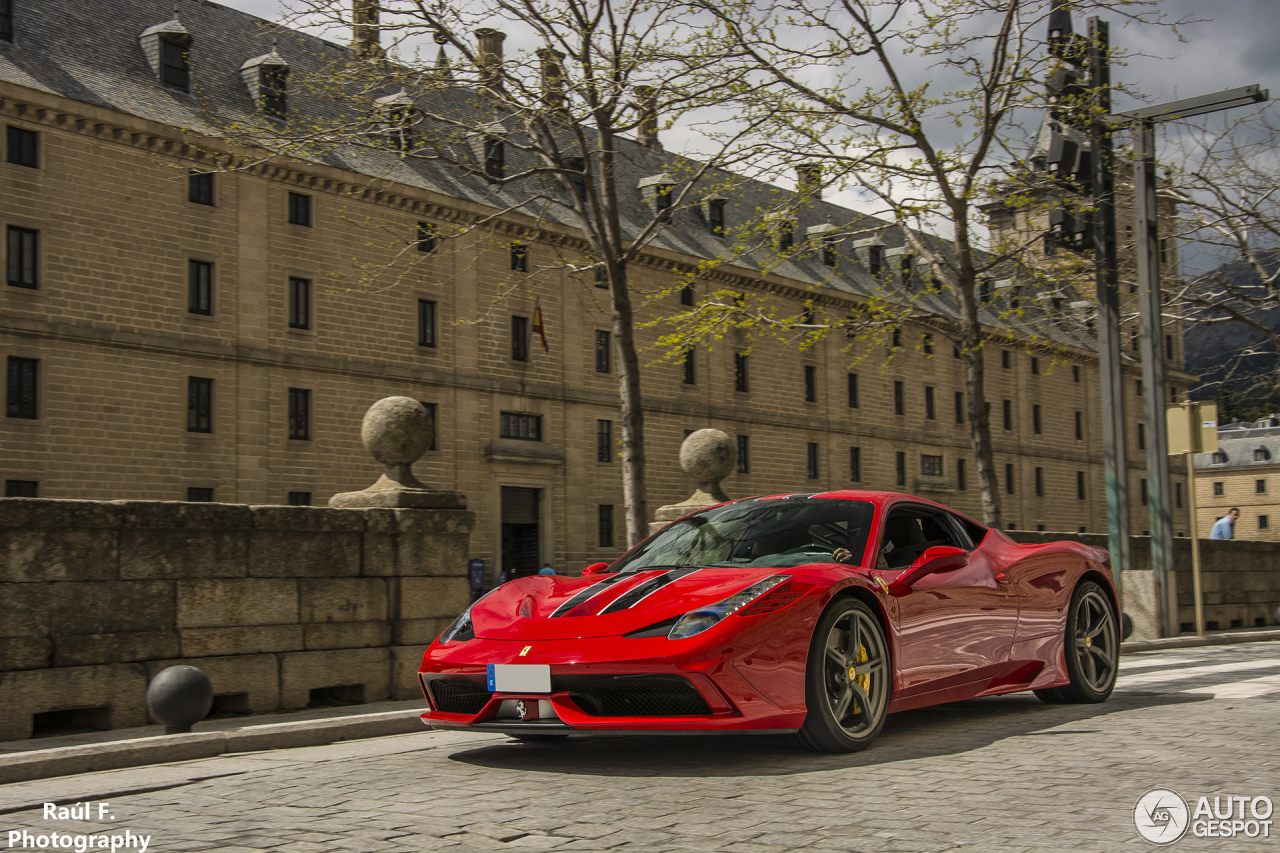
(519,678)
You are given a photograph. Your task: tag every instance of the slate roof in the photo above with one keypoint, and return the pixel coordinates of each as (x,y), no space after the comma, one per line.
(89,51)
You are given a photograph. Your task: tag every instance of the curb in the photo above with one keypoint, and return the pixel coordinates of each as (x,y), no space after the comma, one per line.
(162,749)
(1206,640)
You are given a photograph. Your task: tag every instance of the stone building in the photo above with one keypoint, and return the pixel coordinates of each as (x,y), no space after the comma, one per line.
(177,330)
(1244,472)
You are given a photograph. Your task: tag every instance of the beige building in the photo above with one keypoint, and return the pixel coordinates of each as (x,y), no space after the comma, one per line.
(1243,473)
(175,329)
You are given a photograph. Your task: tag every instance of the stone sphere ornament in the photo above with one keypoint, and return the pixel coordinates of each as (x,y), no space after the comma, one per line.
(179,697)
(397,431)
(708,456)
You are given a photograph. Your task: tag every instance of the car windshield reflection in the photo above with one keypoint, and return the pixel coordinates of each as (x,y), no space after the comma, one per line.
(759,533)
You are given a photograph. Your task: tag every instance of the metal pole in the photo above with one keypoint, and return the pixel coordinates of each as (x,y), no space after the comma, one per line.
(1108,294)
(1151,304)
(1193,428)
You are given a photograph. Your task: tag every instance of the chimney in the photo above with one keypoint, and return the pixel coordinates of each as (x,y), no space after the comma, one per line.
(647,132)
(552,79)
(489,56)
(364,25)
(809,180)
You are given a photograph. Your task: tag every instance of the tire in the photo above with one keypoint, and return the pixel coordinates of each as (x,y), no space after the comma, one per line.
(539,738)
(845,714)
(1091,648)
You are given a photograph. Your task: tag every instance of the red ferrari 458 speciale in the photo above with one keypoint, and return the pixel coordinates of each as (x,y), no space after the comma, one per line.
(814,614)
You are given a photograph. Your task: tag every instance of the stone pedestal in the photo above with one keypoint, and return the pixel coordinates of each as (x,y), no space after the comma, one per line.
(708,456)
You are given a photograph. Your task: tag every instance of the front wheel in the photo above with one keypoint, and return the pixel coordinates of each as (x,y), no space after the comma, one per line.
(847,680)
(1092,648)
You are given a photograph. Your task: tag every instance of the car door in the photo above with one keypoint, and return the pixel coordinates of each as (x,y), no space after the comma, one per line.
(955,627)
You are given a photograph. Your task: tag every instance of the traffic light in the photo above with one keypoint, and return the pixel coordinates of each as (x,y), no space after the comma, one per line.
(1070,163)
(1069,228)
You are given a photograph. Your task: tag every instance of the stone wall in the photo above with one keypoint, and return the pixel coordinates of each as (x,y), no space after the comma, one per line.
(1241,581)
(271,602)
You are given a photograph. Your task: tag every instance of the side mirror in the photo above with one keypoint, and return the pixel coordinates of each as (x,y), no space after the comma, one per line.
(935,560)
(594,569)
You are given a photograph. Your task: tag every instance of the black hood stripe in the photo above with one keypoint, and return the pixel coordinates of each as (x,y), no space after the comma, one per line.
(588,594)
(632,597)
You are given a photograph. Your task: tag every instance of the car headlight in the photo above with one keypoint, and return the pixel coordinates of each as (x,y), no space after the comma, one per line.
(461,627)
(705,618)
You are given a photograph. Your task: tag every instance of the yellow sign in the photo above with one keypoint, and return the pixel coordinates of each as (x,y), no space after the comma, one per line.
(1193,428)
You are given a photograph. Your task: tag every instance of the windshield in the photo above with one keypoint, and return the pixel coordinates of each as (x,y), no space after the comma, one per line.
(775,533)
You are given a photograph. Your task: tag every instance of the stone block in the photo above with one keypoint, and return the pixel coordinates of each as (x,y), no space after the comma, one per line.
(121,687)
(342,599)
(405,661)
(25,652)
(26,609)
(110,607)
(168,539)
(431,542)
(58,553)
(421,632)
(429,597)
(346,635)
(378,545)
(255,675)
(224,602)
(302,672)
(240,640)
(88,649)
(295,541)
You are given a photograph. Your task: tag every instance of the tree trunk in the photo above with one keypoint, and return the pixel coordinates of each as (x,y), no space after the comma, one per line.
(633,456)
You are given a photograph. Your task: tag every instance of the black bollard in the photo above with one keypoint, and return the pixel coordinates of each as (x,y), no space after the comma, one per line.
(1126,626)
(179,697)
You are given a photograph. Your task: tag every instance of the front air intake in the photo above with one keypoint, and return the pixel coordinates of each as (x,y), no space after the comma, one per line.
(639,696)
(457,695)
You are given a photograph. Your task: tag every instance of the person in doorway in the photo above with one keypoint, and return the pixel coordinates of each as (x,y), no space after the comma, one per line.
(1225,527)
(546,570)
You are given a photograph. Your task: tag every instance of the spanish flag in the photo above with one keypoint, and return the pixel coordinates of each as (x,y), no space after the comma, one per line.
(539,327)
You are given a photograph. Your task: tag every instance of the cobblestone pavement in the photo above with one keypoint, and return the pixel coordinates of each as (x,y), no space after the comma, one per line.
(1000,774)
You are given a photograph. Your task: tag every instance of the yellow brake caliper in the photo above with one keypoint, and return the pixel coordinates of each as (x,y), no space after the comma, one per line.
(864,681)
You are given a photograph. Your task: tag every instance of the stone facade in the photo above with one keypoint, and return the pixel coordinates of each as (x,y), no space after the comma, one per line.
(270,602)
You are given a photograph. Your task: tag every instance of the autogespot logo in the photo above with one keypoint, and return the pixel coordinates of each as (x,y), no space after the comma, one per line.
(1161,816)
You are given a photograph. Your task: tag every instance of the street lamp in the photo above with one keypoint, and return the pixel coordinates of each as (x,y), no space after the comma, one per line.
(1149,297)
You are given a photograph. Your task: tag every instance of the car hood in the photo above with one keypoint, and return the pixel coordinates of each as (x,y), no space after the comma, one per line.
(546,607)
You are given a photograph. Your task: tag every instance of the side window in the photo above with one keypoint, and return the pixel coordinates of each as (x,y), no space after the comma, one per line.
(910,530)
(974,533)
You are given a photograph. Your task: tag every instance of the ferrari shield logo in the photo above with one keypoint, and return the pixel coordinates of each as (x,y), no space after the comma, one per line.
(884,585)
(526,649)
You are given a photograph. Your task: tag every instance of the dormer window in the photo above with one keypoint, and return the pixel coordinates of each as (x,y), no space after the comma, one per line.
(875,260)
(715,216)
(396,120)
(577,176)
(786,236)
(1261,455)
(656,191)
(1220,458)
(267,77)
(6,20)
(495,158)
(167,47)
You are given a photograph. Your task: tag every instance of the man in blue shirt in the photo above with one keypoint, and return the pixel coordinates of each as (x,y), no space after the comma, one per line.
(1225,527)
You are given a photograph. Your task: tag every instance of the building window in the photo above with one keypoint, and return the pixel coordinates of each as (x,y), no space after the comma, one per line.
(1008,414)
(426,238)
(199,287)
(962,480)
(1177,495)
(930,411)
(519,257)
(897,339)
(299,498)
(199,495)
(300,414)
(960,407)
(1137,387)
(875,259)
(604,525)
(1035,366)
(6,34)
(603,351)
(900,464)
(1039,482)
(299,303)
(1219,489)
(786,236)
(1075,373)
(520,338)
(740,372)
(853,390)
(274,90)
(604,441)
(520,426)
(744,454)
(22,393)
(21,489)
(686,295)
(926,343)
(1008,479)
(435,429)
(200,188)
(1142,489)
(1261,454)
(199,404)
(906,267)
(1219,458)
(855,464)
(23,147)
(1142,436)
(174,70)
(299,209)
(810,384)
(687,374)
(24,244)
(811,460)
(828,252)
(1260,487)
(1079,426)
(715,217)
(1080,485)
(930,466)
(1036,424)
(899,401)
(1263,522)
(426,323)
(495,158)
(1005,359)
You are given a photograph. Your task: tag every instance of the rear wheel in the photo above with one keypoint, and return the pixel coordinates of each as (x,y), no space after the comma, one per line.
(1092,648)
(847,680)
